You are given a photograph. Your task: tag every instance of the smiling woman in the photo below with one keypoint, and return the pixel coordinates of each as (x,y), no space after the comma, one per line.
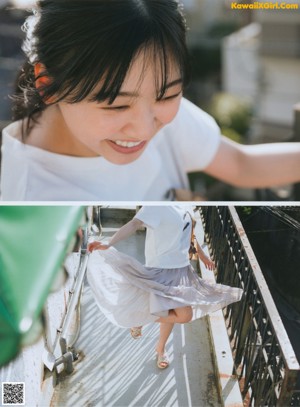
(93,49)
(117,130)
(97,84)
(99,113)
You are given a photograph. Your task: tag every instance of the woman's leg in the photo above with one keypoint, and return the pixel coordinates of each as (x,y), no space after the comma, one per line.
(178,316)
(165,330)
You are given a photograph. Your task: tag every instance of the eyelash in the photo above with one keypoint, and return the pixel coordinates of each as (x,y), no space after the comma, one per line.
(116,108)
(125,107)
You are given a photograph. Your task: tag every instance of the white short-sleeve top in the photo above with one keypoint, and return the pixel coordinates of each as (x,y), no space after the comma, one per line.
(188,143)
(168,235)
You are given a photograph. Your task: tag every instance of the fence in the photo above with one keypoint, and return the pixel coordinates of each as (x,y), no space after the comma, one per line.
(297,138)
(263,356)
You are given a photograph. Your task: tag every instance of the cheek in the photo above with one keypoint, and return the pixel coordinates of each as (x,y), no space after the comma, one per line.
(88,123)
(168,112)
(75,116)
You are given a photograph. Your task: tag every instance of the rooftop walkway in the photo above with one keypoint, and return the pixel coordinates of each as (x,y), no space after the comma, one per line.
(115,370)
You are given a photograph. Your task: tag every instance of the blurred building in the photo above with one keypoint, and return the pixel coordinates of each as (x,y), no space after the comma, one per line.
(255,56)
(208,21)
(262,63)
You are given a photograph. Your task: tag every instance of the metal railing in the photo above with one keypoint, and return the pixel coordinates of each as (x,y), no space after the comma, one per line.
(68,355)
(64,339)
(264,359)
(297,138)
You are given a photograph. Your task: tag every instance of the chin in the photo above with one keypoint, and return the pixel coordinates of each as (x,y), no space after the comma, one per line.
(123,159)
(126,159)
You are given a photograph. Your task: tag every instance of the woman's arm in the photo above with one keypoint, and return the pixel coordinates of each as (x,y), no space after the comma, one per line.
(123,233)
(256,166)
(209,264)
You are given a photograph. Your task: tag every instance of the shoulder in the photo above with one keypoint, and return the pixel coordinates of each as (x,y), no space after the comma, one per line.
(13,131)
(13,166)
(191,125)
(193,137)
(12,147)
(151,216)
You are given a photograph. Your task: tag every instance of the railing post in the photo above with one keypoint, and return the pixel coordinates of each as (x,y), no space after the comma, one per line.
(287,389)
(296,137)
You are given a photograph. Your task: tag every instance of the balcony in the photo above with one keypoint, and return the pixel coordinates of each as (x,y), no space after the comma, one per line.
(240,357)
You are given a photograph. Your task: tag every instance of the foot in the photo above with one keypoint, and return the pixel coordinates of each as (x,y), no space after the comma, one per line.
(162,360)
(136,332)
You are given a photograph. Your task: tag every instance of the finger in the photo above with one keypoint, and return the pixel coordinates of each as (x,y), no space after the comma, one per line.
(92,246)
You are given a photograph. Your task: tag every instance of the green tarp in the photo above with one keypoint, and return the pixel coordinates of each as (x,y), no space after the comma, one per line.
(33,244)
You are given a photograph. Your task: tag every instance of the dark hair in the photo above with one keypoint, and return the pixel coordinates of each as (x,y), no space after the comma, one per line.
(82,41)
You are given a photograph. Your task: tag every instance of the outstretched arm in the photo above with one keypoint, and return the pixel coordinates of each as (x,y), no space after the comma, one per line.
(209,264)
(256,166)
(123,233)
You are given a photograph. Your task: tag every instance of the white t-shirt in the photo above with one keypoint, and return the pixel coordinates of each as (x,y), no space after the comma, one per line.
(188,143)
(168,235)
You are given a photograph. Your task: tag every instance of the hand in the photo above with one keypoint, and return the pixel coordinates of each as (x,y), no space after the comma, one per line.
(208,263)
(97,246)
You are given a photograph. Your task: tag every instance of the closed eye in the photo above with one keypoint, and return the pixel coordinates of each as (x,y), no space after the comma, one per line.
(126,107)
(118,108)
(166,98)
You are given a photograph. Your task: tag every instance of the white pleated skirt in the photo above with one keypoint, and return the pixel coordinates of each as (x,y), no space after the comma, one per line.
(130,294)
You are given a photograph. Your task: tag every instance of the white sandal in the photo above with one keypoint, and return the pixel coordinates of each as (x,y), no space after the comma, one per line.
(162,361)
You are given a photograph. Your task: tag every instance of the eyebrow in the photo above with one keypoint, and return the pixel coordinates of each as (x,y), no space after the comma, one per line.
(168,86)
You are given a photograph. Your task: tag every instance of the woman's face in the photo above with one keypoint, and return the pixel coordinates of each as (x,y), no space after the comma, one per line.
(120,132)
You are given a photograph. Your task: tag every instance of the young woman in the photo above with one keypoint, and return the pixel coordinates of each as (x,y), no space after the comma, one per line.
(166,290)
(100,116)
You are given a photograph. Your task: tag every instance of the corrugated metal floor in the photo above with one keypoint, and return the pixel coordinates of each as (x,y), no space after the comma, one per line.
(116,370)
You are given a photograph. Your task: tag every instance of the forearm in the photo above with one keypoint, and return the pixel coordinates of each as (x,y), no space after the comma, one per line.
(208,263)
(271,164)
(125,231)
(200,251)
(198,247)
(256,166)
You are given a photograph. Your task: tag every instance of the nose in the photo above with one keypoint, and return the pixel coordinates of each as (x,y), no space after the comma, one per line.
(143,124)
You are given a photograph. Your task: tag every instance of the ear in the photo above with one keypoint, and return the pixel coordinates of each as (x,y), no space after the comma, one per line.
(41,79)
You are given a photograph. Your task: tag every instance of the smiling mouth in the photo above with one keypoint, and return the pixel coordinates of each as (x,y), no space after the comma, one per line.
(127,144)
(127,147)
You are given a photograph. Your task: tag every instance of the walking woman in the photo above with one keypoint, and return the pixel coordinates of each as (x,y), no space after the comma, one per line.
(166,290)
(100,108)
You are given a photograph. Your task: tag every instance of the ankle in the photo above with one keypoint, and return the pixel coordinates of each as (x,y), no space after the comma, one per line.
(160,350)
